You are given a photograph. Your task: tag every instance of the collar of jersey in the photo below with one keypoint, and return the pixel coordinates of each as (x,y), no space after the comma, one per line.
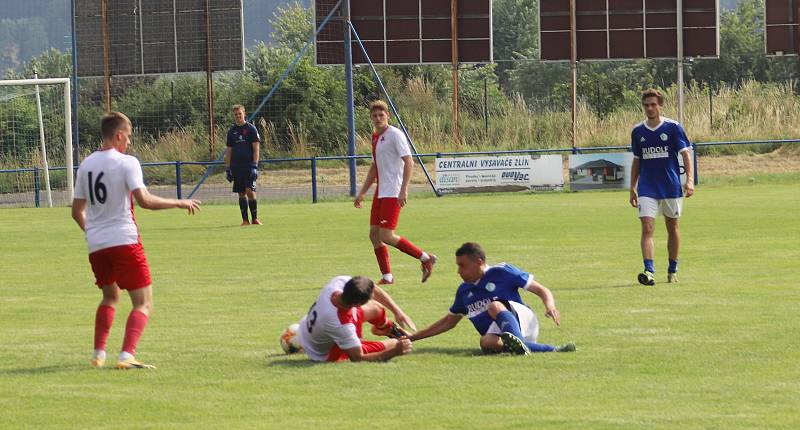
(661,122)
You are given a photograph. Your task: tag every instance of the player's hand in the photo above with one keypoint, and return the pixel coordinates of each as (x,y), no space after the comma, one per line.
(553,314)
(402,199)
(229,175)
(357,201)
(190,205)
(403,346)
(253,172)
(688,188)
(405,321)
(634,199)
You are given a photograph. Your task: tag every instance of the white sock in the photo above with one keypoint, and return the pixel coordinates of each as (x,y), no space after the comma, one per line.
(125,356)
(424,256)
(388,277)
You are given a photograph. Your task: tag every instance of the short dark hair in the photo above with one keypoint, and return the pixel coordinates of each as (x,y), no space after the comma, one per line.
(652,92)
(111,123)
(357,291)
(471,249)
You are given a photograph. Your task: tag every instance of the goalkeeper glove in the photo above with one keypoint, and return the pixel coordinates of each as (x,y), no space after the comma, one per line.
(228,175)
(253,172)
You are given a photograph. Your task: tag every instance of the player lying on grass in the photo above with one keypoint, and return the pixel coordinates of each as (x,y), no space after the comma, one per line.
(331,331)
(489,297)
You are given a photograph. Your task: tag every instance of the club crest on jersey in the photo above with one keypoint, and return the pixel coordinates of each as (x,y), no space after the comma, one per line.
(490,286)
(664,137)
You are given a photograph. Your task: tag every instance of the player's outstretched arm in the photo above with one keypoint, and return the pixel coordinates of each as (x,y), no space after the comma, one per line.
(153,202)
(79,212)
(548,300)
(444,324)
(397,347)
(382,297)
(371,175)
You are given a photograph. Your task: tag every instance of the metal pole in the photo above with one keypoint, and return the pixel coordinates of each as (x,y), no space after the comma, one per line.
(42,145)
(485,105)
(178,180)
(106,55)
(74,122)
(348,74)
(454,63)
(68,150)
(680,61)
(209,83)
(573,64)
(313,179)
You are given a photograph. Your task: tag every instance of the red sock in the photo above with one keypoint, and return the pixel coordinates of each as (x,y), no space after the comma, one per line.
(409,248)
(382,254)
(380,320)
(133,331)
(103,320)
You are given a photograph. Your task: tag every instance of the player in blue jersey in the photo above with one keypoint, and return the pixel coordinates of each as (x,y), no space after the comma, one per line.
(489,297)
(241,163)
(656,180)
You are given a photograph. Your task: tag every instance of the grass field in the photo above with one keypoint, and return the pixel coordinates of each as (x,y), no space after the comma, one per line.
(718,351)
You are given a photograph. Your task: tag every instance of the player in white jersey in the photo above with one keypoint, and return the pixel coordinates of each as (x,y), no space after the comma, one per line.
(107,181)
(392,166)
(331,331)
(655,181)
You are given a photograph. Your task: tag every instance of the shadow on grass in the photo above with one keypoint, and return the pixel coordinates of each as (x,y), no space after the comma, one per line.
(453,352)
(43,370)
(601,287)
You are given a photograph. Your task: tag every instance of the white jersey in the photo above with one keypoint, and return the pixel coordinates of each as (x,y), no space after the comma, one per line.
(388,151)
(325,325)
(106,179)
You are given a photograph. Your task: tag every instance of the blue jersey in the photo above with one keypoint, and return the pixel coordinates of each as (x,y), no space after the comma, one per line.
(501,282)
(657,150)
(240,140)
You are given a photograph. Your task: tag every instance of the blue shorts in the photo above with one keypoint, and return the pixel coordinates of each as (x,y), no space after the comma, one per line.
(241,181)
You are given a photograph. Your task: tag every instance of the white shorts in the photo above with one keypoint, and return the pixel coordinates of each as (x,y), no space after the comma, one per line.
(527,322)
(670,208)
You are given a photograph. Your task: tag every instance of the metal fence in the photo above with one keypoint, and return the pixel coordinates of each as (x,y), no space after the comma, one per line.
(301,179)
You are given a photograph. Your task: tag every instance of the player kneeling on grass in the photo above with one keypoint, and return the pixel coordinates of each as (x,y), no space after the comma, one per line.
(331,331)
(489,297)
(102,208)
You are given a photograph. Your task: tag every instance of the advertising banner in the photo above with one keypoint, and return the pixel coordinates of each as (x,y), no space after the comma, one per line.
(503,173)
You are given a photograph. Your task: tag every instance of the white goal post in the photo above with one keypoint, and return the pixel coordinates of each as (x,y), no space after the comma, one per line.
(68,127)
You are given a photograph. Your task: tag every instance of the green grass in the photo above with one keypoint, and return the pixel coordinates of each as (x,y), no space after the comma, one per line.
(719,350)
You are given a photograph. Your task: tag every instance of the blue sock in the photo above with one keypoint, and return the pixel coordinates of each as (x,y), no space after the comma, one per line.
(648,266)
(540,347)
(673,266)
(508,322)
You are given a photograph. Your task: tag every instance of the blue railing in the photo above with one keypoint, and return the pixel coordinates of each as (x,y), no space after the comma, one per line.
(315,160)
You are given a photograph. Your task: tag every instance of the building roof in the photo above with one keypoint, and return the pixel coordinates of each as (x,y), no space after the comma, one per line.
(597,163)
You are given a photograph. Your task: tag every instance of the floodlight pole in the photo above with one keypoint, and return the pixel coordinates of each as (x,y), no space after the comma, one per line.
(454,62)
(106,55)
(573,64)
(209,83)
(74,101)
(348,75)
(680,60)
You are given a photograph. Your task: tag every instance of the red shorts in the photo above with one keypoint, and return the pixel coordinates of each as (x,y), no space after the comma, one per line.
(125,264)
(367,346)
(385,212)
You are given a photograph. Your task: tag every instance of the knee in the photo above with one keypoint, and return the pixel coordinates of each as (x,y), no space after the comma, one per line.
(647,229)
(491,344)
(374,236)
(495,308)
(386,236)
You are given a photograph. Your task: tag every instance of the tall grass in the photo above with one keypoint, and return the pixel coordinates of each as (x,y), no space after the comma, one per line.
(752,111)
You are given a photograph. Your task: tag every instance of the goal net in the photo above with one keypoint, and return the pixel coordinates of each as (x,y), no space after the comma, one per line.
(35,143)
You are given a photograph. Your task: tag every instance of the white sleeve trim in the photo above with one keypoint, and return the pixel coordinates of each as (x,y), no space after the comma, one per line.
(685,149)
